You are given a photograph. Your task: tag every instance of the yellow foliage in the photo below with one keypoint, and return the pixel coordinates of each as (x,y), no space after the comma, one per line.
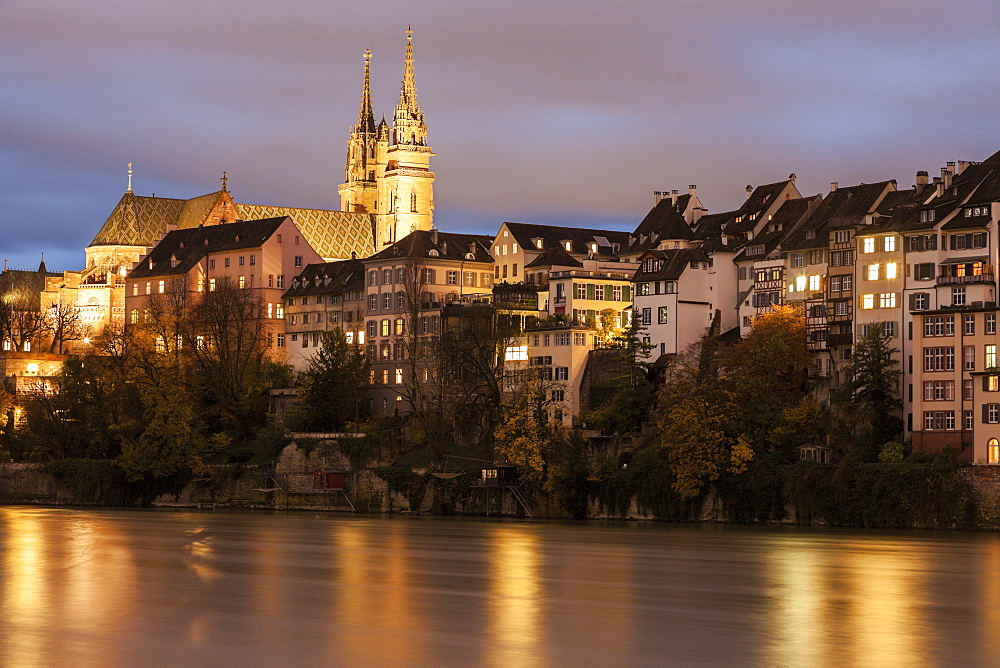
(741,456)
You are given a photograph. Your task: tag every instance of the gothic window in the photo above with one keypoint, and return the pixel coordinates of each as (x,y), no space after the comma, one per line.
(413,202)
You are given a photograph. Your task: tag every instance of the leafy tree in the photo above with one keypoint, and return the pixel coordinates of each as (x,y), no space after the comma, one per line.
(629,397)
(332,388)
(525,433)
(868,400)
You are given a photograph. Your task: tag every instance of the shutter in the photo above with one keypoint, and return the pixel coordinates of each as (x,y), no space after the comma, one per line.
(590,291)
(985,383)
(627,293)
(609,293)
(913,302)
(985,416)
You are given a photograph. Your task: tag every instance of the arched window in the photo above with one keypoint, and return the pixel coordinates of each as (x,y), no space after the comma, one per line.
(993,451)
(413,202)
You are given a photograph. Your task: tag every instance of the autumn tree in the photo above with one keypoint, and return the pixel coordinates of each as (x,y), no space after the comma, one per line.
(63,323)
(622,402)
(21,319)
(525,433)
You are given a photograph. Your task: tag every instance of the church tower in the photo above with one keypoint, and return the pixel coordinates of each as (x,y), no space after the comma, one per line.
(405,191)
(359,192)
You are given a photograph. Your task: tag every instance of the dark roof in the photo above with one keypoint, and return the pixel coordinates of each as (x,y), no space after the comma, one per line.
(745,218)
(673,262)
(447,245)
(656,219)
(551,235)
(328,278)
(843,207)
(554,256)
(185,248)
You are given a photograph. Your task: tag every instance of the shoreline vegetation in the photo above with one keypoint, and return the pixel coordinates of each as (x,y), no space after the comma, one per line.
(738,432)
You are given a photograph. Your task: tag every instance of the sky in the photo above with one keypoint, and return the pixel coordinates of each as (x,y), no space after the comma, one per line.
(557,112)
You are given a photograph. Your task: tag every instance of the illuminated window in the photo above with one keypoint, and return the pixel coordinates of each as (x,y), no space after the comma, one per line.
(815,282)
(279,310)
(211,285)
(568,245)
(399,376)
(867,301)
(873,272)
(400,327)
(993,451)
(134,318)
(243,281)
(890,270)
(386,327)
(868,245)
(800,283)
(201,285)
(991,356)
(516,353)
(889,244)
(135,289)
(887,300)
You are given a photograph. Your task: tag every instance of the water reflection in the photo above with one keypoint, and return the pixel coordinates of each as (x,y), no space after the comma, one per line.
(516,591)
(133,588)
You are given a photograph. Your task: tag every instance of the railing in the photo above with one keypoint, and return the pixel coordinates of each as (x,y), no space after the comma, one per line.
(840,339)
(963,280)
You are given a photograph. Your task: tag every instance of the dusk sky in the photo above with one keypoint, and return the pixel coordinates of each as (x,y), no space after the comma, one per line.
(566,113)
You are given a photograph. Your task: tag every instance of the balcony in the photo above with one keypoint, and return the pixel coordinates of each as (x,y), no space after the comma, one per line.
(840,339)
(966,280)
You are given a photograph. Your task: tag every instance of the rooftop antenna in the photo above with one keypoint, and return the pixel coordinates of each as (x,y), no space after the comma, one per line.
(129,178)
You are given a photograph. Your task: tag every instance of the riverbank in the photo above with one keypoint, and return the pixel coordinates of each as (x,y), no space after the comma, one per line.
(863,496)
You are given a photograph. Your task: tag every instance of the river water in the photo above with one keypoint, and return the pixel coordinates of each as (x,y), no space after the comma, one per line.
(131,587)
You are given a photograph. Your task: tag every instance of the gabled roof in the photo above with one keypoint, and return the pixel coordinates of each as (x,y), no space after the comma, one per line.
(746,217)
(179,251)
(843,207)
(445,245)
(551,235)
(332,234)
(138,221)
(328,278)
(657,218)
(664,222)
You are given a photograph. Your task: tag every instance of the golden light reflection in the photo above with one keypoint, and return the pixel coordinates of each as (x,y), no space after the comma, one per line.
(857,605)
(26,597)
(989,625)
(200,553)
(99,574)
(351,599)
(515,601)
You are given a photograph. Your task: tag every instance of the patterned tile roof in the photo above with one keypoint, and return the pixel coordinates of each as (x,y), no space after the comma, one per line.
(141,221)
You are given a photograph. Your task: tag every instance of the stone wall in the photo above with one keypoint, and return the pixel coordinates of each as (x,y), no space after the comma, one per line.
(985,481)
(26,483)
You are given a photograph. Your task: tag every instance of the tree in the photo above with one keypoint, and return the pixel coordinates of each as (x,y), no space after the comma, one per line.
(21,319)
(525,433)
(332,388)
(63,323)
(869,400)
(621,404)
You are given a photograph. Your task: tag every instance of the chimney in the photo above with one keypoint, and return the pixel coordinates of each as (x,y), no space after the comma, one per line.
(939,185)
(434,236)
(472,247)
(692,190)
(921,181)
(947,173)
(749,191)
(657,196)
(791,177)
(834,185)
(444,248)
(962,164)
(673,197)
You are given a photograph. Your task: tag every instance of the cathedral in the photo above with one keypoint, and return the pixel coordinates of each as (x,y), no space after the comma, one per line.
(388,170)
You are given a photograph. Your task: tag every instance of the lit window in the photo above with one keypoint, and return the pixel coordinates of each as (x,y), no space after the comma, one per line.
(889,244)
(516,353)
(814,282)
(160,286)
(890,268)
(800,283)
(569,245)
(211,285)
(887,300)
(867,301)
(872,271)
(993,451)
(868,245)
(243,281)
(991,356)
(399,376)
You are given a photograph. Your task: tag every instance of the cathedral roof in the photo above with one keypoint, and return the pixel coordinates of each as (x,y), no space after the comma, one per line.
(141,221)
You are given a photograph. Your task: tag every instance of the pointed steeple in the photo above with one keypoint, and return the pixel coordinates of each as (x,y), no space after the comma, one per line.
(408,93)
(366,118)
(129,189)
(41,265)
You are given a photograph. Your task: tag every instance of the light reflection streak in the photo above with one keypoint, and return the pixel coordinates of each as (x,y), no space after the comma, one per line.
(516,590)
(26,598)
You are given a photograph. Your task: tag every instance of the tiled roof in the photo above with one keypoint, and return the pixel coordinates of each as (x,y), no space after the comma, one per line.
(554,256)
(674,262)
(446,245)
(654,220)
(140,221)
(181,250)
(526,233)
(760,199)
(328,278)
(843,206)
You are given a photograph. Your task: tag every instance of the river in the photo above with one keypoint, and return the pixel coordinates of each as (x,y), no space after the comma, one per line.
(132,587)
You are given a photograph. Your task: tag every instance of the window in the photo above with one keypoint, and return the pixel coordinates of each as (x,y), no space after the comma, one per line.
(799,285)
(873,271)
(661,315)
(211,285)
(599,292)
(413,202)
(562,373)
(427,276)
(281,281)
(942,325)
(400,327)
(815,283)
(991,356)
(842,308)
(242,281)
(993,451)
(647,316)
(211,264)
(958,296)
(242,260)
(452,278)
(253,260)
(516,353)
(991,323)
(226,261)
(386,328)
(867,301)
(889,244)
(815,257)
(868,245)
(798,259)
(970,324)
(967,389)
(990,384)
(372,302)
(399,376)
(939,359)
(887,300)
(579,338)
(969,354)
(281,340)
(561,339)
(890,270)
(841,236)
(939,390)
(372,329)
(558,395)
(939,420)
(923,271)
(920,301)
(161,286)
(846,283)
(991,413)
(298,260)
(386,300)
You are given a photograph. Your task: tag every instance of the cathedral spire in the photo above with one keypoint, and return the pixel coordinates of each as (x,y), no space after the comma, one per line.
(129,189)
(408,93)
(366,118)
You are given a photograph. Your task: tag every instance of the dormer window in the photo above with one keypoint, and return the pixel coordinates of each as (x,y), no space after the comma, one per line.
(593,247)
(539,243)
(568,245)
(433,253)
(810,234)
